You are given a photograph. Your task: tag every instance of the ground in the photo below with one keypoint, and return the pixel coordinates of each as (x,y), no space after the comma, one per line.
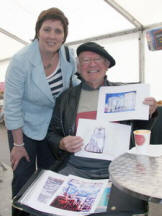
(5,174)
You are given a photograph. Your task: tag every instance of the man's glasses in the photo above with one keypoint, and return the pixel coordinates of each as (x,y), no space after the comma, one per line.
(86,61)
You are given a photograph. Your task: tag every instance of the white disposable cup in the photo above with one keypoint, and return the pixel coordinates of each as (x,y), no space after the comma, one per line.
(142,140)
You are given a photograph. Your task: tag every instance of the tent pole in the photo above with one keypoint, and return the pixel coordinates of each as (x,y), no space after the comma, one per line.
(141,57)
(139,26)
(13,36)
(124,13)
(105,36)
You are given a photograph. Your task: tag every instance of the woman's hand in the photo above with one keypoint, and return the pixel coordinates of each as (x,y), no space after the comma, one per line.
(71,143)
(17,153)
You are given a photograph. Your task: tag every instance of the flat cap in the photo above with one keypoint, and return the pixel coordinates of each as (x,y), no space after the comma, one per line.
(94,47)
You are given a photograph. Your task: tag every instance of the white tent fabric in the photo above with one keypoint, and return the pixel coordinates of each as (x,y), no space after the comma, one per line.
(119,25)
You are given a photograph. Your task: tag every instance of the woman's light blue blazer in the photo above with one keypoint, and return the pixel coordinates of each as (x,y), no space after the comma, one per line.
(28,101)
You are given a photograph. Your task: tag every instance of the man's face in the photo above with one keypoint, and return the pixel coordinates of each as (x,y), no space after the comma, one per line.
(92,68)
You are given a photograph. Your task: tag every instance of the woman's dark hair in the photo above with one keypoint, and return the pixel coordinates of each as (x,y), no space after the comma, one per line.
(52,14)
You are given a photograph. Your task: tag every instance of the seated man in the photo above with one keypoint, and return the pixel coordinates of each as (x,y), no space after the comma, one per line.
(81,102)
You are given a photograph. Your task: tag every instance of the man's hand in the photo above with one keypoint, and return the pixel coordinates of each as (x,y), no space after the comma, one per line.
(71,143)
(152,104)
(17,153)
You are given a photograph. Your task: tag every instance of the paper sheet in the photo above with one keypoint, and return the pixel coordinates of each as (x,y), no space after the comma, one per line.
(125,102)
(103,140)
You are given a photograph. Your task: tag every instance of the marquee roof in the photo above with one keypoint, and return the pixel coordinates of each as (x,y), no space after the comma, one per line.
(88,20)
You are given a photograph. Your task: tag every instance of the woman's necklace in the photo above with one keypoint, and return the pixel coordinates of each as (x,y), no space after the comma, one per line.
(47,66)
(51,63)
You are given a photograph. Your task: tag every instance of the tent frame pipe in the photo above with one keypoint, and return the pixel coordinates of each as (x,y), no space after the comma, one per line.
(139,27)
(124,13)
(13,36)
(141,57)
(100,37)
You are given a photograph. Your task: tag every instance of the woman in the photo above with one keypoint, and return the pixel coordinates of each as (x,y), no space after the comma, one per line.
(35,77)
